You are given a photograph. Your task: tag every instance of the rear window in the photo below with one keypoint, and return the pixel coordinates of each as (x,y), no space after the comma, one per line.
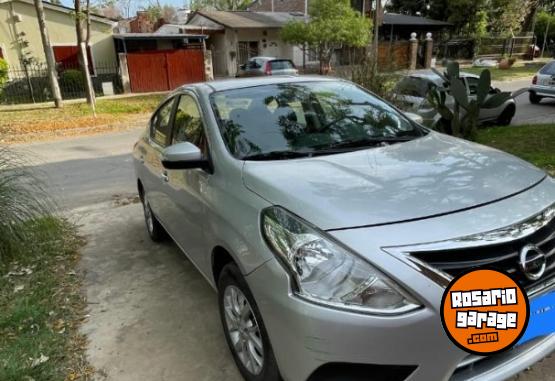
(414,86)
(281,65)
(548,69)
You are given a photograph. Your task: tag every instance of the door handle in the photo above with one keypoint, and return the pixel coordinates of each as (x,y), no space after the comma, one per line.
(165,176)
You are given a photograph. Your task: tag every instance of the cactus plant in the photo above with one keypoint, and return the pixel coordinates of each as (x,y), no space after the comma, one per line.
(462,118)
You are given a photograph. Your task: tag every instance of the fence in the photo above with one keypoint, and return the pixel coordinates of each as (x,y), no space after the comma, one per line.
(391,55)
(29,84)
(494,47)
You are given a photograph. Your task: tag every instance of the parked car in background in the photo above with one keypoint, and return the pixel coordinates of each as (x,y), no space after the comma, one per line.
(330,225)
(260,66)
(411,94)
(543,84)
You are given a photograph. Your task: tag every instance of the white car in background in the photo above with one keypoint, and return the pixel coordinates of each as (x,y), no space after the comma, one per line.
(543,84)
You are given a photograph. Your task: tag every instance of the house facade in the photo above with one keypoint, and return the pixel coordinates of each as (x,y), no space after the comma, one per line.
(20,38)
(234,37)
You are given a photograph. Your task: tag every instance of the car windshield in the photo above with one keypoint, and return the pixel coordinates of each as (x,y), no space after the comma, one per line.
(307,118)
(548,69)
(414,86)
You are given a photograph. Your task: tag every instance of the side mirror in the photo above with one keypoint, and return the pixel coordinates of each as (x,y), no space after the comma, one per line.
(414,117)
(184,156)
(243,66)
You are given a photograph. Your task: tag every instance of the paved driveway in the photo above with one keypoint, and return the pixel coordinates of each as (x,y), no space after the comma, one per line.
(152,316)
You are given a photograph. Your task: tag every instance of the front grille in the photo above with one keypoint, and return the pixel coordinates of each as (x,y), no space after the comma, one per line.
(503,256)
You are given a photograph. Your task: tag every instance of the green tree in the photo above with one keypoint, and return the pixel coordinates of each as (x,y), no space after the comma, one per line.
(545,23)
(332,23)
(221,5)
(506,16)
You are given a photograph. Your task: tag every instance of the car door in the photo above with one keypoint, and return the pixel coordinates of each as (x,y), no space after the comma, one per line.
(485,113)
(155,178)
(186,189)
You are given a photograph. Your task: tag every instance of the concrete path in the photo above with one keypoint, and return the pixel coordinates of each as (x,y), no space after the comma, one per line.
(152,316)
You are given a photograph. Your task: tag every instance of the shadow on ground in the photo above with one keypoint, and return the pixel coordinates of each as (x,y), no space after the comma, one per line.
(152,315)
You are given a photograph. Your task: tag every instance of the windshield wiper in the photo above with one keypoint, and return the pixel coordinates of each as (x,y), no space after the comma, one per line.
(277,155)
(365,143)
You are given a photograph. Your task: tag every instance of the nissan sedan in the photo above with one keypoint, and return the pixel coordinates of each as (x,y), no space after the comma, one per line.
(330,225)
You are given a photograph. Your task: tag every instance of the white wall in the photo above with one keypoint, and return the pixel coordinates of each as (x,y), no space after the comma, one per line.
(269,44)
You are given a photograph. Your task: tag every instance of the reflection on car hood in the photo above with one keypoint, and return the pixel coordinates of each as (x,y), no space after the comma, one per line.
(433,175)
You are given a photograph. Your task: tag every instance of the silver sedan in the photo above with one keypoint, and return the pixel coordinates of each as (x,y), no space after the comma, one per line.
(412,91)
(330,224)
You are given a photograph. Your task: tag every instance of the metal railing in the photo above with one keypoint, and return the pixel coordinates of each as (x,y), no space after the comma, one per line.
(29,83)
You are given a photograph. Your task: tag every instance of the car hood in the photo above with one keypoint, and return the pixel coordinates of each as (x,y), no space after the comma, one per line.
(426,177)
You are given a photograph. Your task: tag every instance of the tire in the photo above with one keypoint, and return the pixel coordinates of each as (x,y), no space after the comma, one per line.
(254,356)
(534,98)
(155,230)
(506,116)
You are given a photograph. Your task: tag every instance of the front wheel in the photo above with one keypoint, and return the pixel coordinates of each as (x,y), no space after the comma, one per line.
(244,329)
(155,229)
(506,116)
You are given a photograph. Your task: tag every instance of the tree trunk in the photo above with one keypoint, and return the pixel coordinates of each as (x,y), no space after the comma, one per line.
(83,58)
(376,42)
(49,54)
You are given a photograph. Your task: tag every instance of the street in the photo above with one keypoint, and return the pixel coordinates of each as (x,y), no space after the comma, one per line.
(151,314)
(527,113)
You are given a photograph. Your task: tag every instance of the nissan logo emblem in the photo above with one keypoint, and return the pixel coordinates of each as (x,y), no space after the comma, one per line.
(532,262)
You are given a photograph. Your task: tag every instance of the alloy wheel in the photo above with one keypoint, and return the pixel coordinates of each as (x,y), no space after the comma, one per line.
(243,330)
(149,218)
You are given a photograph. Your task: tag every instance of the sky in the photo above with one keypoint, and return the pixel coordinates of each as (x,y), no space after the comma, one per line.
(137,4)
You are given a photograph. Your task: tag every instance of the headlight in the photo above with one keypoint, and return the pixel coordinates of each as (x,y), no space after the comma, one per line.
(325,272)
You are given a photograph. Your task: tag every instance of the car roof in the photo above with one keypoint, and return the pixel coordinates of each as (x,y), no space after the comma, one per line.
(432,76)
(262,58)
(240,83)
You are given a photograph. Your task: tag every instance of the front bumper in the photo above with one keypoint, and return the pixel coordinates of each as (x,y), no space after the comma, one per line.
(306,336)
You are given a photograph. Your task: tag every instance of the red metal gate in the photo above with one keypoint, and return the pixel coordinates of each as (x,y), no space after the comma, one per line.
(165,70)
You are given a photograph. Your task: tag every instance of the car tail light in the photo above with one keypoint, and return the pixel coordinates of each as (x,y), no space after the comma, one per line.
(268,69)
(535,80)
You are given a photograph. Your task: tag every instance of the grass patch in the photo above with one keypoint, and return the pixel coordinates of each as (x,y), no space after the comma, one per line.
(41,307)
(517,71)
(533,143)
(15,125)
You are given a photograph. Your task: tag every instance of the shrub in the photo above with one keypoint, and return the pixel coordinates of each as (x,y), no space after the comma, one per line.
(3,71)
(23,201)
(72,81)
(380,83)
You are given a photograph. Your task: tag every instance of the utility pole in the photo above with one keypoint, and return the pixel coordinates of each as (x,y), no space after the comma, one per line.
(49,54)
